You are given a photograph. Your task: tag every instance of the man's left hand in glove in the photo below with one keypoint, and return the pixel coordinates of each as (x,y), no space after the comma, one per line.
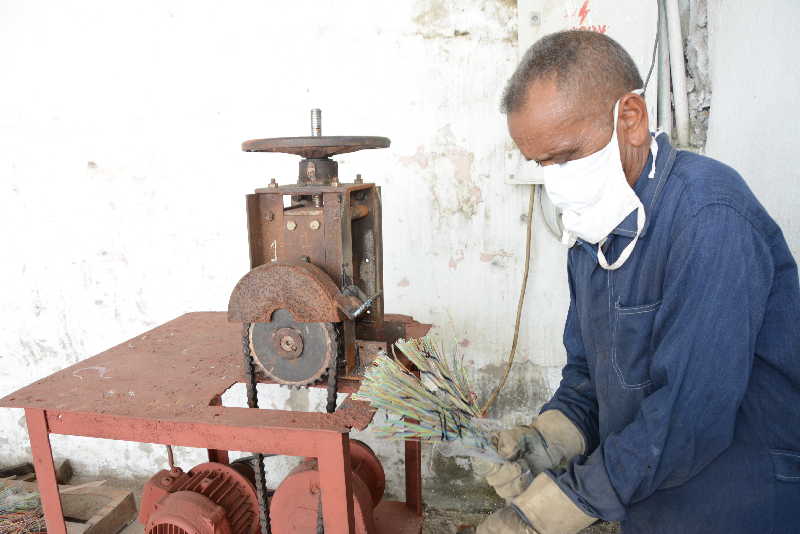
(541,509)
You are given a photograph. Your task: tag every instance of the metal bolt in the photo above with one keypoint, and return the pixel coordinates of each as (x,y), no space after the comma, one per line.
(335,181)
(314,225)
(270,216)
(305,259)
(359,180)
(288,344)
(291,225)
(316,122)
(317,200)
(273,182)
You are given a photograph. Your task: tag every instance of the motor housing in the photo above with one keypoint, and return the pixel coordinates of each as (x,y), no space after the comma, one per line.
(212,498)
(296,505)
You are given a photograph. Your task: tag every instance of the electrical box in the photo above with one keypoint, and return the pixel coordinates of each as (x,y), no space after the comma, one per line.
(632,23)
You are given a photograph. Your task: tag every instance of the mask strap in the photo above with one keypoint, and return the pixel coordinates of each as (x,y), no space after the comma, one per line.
(654,150)
(601,258)
(640,219)
(568,238)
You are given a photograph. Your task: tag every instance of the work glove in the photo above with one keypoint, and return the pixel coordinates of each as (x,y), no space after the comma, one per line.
(504,521)
(541,509)
(529,450)
(508,479)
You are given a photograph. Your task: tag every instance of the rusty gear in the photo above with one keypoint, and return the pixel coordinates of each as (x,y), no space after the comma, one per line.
(292,353)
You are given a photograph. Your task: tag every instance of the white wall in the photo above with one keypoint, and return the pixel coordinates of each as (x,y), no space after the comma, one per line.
(754,124)
(123,185)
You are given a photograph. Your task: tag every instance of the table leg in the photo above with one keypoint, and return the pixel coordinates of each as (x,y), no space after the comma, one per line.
(335,482)
(215,455)
(413,464)
(218,456)
(45,471)
(414,476)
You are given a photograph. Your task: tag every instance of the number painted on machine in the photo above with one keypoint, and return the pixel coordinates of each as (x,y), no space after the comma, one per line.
(274,247)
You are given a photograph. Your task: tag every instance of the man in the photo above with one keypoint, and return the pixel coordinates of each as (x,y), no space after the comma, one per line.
(679,406)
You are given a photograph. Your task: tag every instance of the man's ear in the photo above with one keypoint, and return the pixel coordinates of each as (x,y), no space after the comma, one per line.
(633,121)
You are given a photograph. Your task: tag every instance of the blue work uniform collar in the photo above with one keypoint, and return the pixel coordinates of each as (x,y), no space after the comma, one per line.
(648,189)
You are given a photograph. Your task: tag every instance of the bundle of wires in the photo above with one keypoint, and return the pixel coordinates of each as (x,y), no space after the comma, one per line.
(437,405)
(20,512)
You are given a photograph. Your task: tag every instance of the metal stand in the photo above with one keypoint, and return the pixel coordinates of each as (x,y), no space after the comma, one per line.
(153,403)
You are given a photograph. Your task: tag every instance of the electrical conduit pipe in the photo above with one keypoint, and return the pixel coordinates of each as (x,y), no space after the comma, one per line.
(678,72)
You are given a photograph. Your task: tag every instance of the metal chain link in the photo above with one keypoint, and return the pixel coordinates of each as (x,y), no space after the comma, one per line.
(331,406)
(332,373)
(252,402)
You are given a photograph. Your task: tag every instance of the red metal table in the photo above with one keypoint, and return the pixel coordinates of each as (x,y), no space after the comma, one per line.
(165,386)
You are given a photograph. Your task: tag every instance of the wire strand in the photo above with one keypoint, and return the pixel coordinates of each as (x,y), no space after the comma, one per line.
(513,352)
(655,48)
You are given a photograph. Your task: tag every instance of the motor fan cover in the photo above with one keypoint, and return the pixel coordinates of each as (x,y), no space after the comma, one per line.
(187,512)
(212,498)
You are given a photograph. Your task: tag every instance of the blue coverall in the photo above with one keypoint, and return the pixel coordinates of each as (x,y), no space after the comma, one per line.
(683,366)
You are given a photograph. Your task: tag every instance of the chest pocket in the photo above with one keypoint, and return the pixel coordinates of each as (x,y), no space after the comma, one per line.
(631,350)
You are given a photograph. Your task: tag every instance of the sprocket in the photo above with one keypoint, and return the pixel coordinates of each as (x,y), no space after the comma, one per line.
(293,353)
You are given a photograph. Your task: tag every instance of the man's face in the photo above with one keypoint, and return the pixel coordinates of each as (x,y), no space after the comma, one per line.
(550,129)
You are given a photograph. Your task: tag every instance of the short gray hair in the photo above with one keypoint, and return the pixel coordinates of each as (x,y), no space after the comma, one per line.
(585,64)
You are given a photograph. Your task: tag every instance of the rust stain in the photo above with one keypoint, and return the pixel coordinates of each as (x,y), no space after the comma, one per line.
(431,13)
(456,259)
(420,158)
(488,257)
(403,283)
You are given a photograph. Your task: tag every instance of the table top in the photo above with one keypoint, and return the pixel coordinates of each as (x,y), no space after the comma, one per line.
(174,372)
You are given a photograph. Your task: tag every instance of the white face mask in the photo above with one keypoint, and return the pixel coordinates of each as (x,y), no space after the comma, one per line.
(594,196)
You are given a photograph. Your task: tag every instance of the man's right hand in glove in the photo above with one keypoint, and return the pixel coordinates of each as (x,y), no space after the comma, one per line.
(529,450)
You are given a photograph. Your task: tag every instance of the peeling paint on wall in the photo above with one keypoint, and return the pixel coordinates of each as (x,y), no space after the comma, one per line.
(450,19)
(698,75)
(447,167)
(496,258)
(455,259)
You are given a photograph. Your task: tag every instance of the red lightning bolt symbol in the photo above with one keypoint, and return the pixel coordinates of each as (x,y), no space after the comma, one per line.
(584,11)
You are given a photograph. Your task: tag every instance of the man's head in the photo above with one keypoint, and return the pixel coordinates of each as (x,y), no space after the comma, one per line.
(560,101)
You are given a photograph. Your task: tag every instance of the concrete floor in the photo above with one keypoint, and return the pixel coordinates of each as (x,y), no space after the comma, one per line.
(447,522)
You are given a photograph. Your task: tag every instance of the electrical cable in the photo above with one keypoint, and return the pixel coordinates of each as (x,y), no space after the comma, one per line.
(655,49)
(513,352)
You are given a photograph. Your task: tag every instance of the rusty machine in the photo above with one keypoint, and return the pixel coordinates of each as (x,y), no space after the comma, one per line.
(312,315)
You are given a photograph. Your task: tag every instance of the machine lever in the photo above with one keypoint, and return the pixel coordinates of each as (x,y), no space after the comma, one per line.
(367,303)
(354,293)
